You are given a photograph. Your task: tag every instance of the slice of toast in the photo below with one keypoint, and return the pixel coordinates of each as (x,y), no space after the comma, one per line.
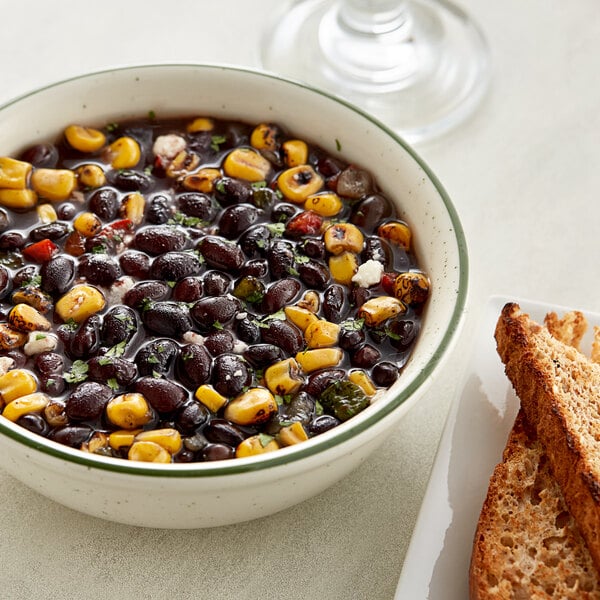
(559,390)
(526,544)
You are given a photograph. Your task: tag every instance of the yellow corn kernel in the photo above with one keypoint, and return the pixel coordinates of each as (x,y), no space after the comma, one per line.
(412,287)
(79,303)
(326,204)
(202,181)
(168,438)
(148,452)
(200,124)
(396,232)
(298,183)
(24,405)
(265,136)
(377,310)
(133,207)
(33,296)
(283,377)
(292,434)
(97,442)
(295,152)
(252,407)
(14,173)
(84,139)
(321,334)
(247,164)
(310,301)
(87,224)
(299,316)
(11,339)
(343,237)
(184,162)
(53,184)
(128,411)
(23,317)
(91,176)
(18,199)
(46,213)
(343,267)
(256,444)
(320,358)
(362,380)
(122,438)
(16,383)
(124,153)
(208,396)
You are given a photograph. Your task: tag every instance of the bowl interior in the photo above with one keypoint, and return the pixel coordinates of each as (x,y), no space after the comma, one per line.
(192,90)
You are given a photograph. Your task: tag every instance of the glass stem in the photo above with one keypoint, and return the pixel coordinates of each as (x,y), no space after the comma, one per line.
(373,17)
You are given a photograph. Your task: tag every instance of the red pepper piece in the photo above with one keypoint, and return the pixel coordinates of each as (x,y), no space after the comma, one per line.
(304,223)
(387,282)
(116,228)
(41,251)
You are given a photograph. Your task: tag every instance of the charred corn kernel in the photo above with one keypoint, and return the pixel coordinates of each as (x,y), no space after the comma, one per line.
(133,207)
(96,443)
(11,339)
(343,237)
(362,380)
(53,184)
(265,136)
(411,287)
(310,301)
(124,153)
(295,153)
(23,317)
(87,224)
(31,403)
(247,164)
(283,377)
(255,406)
(326,204)
(299,316)
(14,173)
(320,358)
(18,199)
(397,232)
(321,334)
(55,414)
(256,444)
(16,383)
(208,396)
(184,162)
(91,176)
(200,124)
(292,434)
(168,438)
(148,452)
(128,411)
(122,438)
(202,181)
(79,303)
(33,296)
(84,139)
(377,310)
(46,213)
(298,183)
(343,267)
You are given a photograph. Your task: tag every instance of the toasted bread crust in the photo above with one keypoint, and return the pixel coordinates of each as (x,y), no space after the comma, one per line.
(559,391)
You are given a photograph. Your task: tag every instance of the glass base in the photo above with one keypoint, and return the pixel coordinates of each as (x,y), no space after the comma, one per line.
(421,78)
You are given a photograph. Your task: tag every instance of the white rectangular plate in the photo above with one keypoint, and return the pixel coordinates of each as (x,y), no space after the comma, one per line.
(436,566)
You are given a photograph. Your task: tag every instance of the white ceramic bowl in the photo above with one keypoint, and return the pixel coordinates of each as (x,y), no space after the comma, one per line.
(210,494)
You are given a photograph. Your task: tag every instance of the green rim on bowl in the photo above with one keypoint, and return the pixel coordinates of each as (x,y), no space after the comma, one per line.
(292,454)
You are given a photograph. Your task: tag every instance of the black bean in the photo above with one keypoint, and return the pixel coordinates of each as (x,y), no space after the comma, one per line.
(351,339)
(87,401)
(159,210)
(335,305)
(214,311)
(119,325)
(255,241)
(57,274)
(281,259)
(191,416)
(221,253)
(34,423)
(137,296)
(11,240)
(127,180)
(212,452)
(194,204)
(232,191)
(99,269)
(51,231)
(66,211)
(158,239)
(313,274)
(280,294)
(329,166)
(258,268)
(49,363)
(18,358)
(104,203)
(163,395)
(189,289)
(173,266)
(247,330)
(24,275)
(365,357)
(86,340)
(135,264)
(71,435)
(300,408)
(402,333)
(262,355)
(5,282)
(4,220)
(283,212)
(378,249)
(370,211)
(314,248)
(283,334)
(322,423)
(156,356)
(103,368)
(221,431)
(41,156)
(318,381)
(167,318)
(358,296)
(230,375)
(185,456)
(193,365)
(216,283)
(54,386)
(219,342)
(354,182)
(236,219)
(384,373)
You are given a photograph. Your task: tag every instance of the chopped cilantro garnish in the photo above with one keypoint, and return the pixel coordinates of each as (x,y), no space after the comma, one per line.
(112,127)
(112,384)
(153,360)
(318,409)
(220,186)
(40,336)
(146,304)
(78,372)
(258,184)
(216,141)
(71,324)
(338,145)
(276,229)
(301,259)
(151,115)
(104,360)
(117,350)
(217,325)
(156,375)
(265,439)
(98,250)
(35,281)
(352,324)
(293,271)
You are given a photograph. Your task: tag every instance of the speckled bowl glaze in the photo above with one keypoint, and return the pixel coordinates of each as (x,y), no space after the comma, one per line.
(212,494)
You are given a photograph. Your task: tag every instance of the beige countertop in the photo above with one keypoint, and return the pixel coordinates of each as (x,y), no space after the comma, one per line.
(524,176)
